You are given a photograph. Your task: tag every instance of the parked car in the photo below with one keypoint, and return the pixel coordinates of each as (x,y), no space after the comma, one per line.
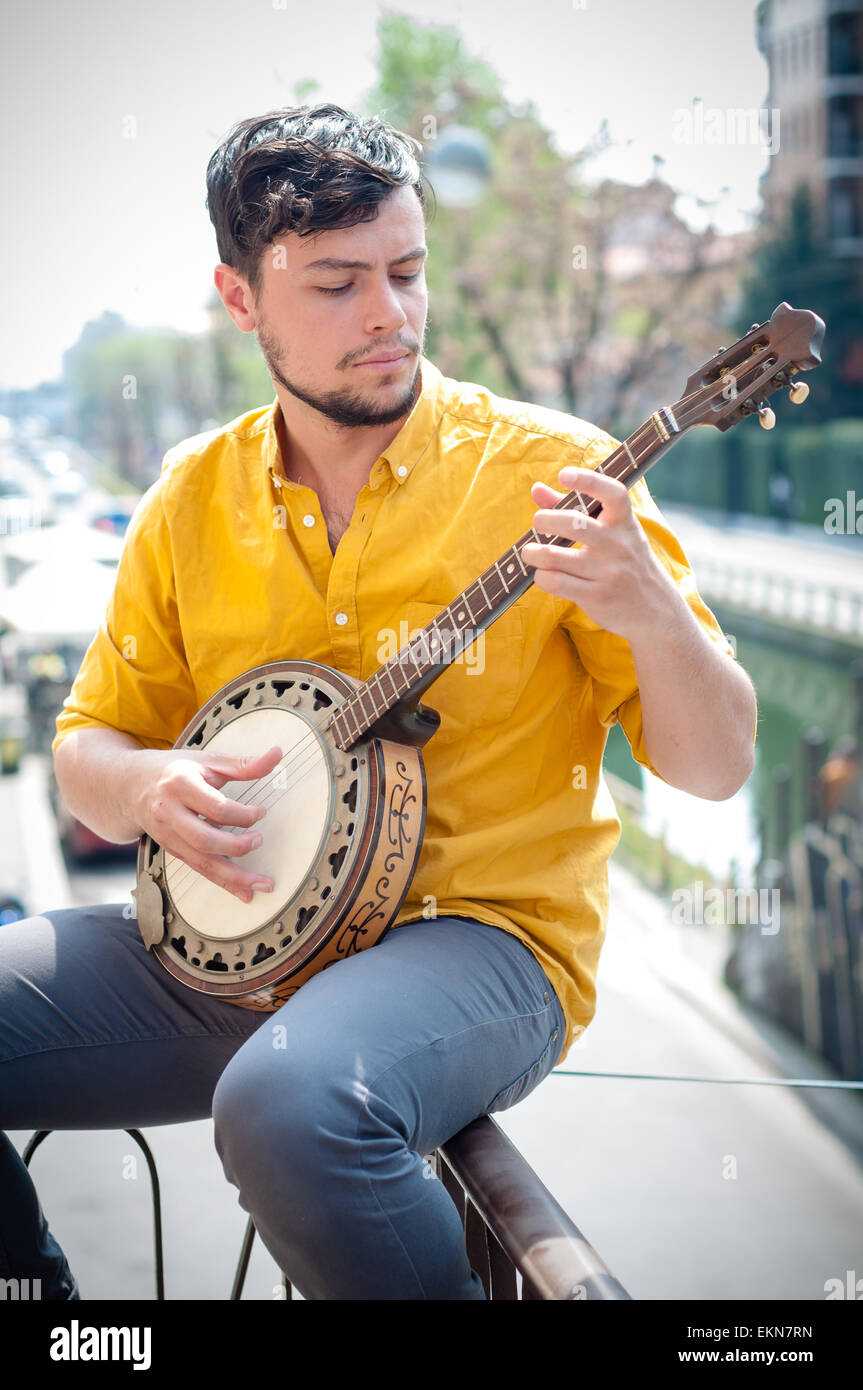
(114,516)
(11,909)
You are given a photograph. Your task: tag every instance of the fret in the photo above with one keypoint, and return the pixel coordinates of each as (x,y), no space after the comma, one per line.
(491,580)
(349,714)
(370,690)
(375,686)
(471,596)
(375,683)
(511,565)
(522,566)
(466,605)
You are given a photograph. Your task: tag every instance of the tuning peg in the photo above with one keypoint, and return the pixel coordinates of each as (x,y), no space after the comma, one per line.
(766,417)
(798,392)
(753,326)
(719,351)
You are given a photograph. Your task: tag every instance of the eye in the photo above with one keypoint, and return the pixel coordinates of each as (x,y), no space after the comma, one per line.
(340,289)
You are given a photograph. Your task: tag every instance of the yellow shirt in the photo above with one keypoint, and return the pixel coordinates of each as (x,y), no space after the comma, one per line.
(227,565)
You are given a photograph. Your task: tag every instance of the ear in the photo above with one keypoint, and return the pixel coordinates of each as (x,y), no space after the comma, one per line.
(236,296)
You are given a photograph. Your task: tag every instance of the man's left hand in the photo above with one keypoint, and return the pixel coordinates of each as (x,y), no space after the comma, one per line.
(612,572)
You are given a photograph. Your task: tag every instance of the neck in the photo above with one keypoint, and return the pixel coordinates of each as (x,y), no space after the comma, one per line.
(322,454)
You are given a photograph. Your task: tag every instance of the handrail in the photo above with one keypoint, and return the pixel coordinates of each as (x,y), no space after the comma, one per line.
(525,1228)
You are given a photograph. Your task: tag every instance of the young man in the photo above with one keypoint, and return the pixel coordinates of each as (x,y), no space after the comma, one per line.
(327,526)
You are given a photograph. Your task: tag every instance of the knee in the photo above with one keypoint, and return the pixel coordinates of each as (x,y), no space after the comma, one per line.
(283,1115)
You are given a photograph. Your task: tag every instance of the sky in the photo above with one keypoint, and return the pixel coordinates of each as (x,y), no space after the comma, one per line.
(111,111)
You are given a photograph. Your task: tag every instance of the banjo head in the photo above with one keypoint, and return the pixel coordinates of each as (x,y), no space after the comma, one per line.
(323,805)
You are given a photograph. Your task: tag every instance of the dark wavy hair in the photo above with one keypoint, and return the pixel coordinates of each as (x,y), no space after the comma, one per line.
(303,169)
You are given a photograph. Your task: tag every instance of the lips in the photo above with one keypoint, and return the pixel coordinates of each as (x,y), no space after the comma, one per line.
(385,357)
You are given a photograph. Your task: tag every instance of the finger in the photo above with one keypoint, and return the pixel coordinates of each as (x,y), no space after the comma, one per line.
(220,870)
(558,559)
(573,588)
(570,523)
(210,803)
(231,768)
(209,839)
(590,482)
(544,495)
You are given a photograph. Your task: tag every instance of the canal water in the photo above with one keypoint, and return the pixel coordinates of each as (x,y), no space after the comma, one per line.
(800,682)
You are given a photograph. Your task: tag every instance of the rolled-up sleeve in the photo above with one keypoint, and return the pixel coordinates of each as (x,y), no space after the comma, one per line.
(134,676)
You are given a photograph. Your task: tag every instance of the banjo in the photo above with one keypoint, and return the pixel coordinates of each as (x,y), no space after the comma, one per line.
(346,803)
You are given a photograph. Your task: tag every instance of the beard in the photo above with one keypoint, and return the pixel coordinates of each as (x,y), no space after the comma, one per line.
(346,407)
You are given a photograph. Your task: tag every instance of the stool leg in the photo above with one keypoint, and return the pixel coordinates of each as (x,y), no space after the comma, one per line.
(157,1211)
(41,1134)
(243,1264)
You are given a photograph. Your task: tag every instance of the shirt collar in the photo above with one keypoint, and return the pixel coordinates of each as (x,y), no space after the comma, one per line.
(403,452)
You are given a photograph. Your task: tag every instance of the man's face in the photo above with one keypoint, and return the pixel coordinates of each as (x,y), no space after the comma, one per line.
(320,326)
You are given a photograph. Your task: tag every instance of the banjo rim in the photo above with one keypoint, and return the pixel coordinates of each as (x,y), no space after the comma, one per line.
(247,989)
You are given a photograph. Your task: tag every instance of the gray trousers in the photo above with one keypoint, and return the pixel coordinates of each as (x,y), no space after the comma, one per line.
(322,1110)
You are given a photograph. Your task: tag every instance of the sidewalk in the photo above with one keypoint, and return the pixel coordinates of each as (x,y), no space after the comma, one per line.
(688,960)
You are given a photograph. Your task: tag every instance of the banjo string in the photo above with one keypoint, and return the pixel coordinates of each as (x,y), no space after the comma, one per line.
(261,790)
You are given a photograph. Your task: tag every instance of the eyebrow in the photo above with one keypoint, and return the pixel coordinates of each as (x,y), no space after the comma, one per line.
(336,263)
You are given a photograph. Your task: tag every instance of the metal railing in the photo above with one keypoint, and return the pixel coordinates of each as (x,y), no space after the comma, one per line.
(795,600)
(515,1231)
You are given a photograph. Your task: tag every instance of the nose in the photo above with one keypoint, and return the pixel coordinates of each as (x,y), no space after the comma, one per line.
(383,311)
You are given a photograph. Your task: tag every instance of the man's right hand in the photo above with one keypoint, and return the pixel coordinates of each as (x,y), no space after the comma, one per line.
(168,791)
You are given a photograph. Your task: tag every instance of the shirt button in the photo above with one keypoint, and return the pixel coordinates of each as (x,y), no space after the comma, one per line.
(341,619)
(402,471)
(308,520)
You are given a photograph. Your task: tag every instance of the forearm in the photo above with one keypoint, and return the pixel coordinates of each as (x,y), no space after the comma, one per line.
(698,706)
(90,766)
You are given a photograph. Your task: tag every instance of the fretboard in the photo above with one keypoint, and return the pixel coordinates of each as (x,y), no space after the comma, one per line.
(413,669)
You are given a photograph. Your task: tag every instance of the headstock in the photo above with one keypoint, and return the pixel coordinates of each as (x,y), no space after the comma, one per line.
(738,380)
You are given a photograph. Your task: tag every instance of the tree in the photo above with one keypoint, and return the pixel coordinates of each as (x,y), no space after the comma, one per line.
(527,293)
(794,263)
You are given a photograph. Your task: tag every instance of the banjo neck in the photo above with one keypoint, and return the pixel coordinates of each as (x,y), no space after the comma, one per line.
(732,385)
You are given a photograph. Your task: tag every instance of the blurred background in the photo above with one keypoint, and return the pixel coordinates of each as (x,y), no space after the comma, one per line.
(620,189)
